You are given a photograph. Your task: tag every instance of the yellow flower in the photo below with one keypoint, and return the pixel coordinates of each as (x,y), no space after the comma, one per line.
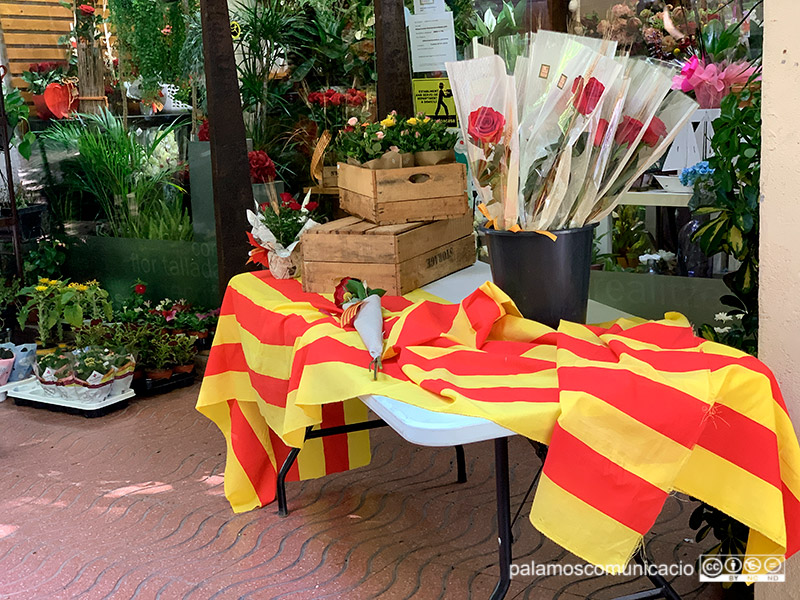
(43,280)
(91,283)
(41,288)
(426,119)
(412,121)
(388,122)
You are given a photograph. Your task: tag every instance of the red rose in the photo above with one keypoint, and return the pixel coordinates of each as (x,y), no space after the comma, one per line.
(655,132)
(86,9)
(263,206)
(348,128)
(600,134)
(486,125)
(355,97)
(262,169)
(203,133)
(140,288)
(314,97)
(286,198)
(589,97)
(312,205)
(294,205)
(628,130)
(337,99)
(341,290)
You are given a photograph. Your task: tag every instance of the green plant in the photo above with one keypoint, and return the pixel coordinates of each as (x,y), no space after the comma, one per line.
(59,362)
(490,28)
(156,350)
(91,361)
(92,334)
(45,259)
(629,237)
(46,299)
(130,176)
(183,349)
(150,35)
(9,289)
(429,134)
(18,112)
(285,217)
(733,211)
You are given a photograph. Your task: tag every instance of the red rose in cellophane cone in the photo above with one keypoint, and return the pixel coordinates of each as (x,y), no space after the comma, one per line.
(362,310)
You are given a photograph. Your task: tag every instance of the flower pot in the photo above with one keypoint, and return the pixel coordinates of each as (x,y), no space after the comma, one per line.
(158,374)
(200,335)
(183,368)
(41,107)
(547,280)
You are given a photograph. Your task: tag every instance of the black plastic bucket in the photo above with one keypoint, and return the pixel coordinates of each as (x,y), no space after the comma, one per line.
(547,280)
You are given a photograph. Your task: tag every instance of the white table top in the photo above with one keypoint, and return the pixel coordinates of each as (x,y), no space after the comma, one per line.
(427,428)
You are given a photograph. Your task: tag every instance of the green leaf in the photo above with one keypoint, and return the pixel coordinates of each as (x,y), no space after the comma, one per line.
(377,292)
(356,288)
(73,314)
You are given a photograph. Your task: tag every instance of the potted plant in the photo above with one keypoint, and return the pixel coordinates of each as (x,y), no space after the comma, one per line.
(183,353)
(44,301)
(157,356)
(6,364)
(124,365)
(54,372)
(277,225)
(38,77)
(94,374)
(432,142)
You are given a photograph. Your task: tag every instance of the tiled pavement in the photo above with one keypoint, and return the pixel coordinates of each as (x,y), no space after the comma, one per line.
(131,505)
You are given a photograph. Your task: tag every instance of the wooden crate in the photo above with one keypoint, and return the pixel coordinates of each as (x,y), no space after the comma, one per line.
(398,258)
(330,177)
(393,196)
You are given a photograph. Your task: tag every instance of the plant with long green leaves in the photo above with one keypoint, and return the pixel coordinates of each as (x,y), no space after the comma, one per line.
(116,167)
(17,112)
(734,213)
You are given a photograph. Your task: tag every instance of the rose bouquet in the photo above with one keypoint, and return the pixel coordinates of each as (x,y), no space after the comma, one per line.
(40,75)
(589,124)
(276,228)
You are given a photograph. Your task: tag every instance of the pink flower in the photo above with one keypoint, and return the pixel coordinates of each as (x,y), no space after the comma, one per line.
(167,30)
(739,73)
(352,121)
(394,148)
(682,81)
(380,135)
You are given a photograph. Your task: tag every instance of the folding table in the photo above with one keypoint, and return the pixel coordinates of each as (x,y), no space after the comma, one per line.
(427,428)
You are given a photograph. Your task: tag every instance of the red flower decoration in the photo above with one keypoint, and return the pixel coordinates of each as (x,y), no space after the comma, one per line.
(355,97)
(312,205)
(600,134)
(295,205)
(628,130)
(655,132)
(262,169)
(486,125)
(258,254)
(203,132)
(286,198)
(589,96)
(140,289)
(86,9)
(341,290)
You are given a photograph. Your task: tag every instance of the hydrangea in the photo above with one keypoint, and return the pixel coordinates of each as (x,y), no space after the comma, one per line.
(691,175)
(164,157)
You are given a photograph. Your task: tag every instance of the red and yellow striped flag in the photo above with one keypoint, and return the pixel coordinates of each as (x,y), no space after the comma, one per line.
(632,411)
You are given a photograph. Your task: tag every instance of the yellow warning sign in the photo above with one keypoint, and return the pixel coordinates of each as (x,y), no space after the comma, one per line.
(434,98)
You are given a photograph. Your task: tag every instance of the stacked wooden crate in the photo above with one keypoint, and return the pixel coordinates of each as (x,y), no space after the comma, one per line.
(409,227)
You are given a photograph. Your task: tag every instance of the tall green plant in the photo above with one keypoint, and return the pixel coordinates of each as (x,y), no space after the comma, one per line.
(733,208)
(116,168)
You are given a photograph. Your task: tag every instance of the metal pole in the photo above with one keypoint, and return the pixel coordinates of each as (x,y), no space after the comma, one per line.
(6,149)
(503,516)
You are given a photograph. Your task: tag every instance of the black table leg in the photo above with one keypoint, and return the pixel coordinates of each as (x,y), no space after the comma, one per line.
(280,490)
(461,464)
(503,516)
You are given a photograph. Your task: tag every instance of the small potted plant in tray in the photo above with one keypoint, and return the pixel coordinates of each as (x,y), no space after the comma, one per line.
(158,358)
(6,364)
(54,372)
(124,365)
(183,353)
(94,374)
